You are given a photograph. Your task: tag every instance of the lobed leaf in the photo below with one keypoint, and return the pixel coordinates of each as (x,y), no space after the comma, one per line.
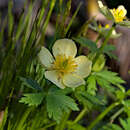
(57,103)
(32,98)
(110,77)
(87,43)
(30,83)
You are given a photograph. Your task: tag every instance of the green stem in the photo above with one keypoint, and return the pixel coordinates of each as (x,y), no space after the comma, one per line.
(97,39)
(49,125)
(63,123)
(116,114)
(101,116)
(80,116)
(62,126)
(104,44)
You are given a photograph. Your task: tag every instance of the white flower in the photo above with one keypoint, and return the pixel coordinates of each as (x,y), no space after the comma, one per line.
(64,69)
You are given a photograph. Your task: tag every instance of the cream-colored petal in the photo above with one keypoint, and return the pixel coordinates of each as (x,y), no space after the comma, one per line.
(54,78)
(45,57)
(121,7)
(73,80)
(64,47)
(84,66)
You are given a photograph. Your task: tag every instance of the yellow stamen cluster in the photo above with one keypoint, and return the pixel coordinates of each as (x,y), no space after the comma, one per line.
(64,64)
(119,13)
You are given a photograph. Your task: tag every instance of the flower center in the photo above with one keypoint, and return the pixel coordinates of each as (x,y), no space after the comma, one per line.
(64,64)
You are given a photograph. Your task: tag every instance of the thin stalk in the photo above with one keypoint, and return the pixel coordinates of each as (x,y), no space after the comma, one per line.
(63,123)
(98,38)
(104,44)
(80,116)
(102,115)
(49,125)
(72,19)
(116,114)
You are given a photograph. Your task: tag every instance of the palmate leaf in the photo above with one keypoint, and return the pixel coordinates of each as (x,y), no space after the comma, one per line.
(90,101)
(32,99)
(30,83)
(108,49)
(125,123)
(126,104)
(57,103)
(111,77)
(87,43)
(105,84)
(93,99)
(111,127)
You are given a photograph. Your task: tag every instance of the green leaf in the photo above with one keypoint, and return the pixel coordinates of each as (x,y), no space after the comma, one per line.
(82,100)
(93,99)
(32,99)
(30,83)
(125,123)
(105,84)
(110,127)
(128,92)
(120,95)
(111,77)
(57,103)
(91,85)
(87,43)
(126,104)
(108,49)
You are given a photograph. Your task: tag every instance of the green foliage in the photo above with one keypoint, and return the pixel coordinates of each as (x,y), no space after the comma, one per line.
(105,79)
(111,127)
(58,102)
(110,77)
(108,49)
(32,98)
(124,123)
(19,45)
(92,87)
(30,83)
(86,43)
(91,101)
(126,104)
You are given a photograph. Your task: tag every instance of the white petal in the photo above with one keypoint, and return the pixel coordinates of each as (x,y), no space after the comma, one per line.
(73,80)
(64,47)
(100,4)
(84,66)
(54,78)
(45,57)
(121,7)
